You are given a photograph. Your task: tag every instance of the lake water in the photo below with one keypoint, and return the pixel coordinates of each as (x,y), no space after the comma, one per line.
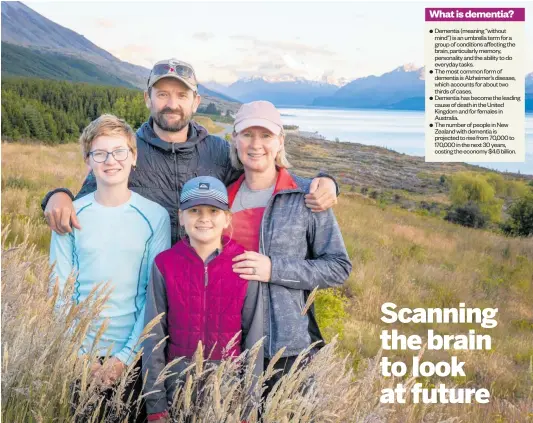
(402,131)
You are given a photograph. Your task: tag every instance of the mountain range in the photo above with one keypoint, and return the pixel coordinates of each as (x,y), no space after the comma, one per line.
(402,88)
(33,45)
(294,92)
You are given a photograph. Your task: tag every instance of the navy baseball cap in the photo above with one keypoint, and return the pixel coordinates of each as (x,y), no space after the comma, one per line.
(204,191)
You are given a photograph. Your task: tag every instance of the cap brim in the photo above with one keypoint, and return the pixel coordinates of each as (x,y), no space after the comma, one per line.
(203,202)
(171,75)
(263,123)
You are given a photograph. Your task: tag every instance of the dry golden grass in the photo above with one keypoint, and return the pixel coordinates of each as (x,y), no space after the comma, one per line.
(417,261)
(315,150)
(208,124)
(28,173)
(40,363)
(411,260)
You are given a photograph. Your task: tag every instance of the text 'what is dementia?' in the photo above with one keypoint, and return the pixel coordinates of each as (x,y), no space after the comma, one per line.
(475,84)
(394,340)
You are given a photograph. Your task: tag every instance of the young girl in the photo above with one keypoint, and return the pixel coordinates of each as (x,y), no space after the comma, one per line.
(121,234)
(194,285)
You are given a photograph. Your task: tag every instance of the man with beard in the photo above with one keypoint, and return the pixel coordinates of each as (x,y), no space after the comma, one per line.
(171,150)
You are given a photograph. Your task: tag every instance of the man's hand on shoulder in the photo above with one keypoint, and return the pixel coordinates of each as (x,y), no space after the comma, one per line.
(60,214)
(322,194)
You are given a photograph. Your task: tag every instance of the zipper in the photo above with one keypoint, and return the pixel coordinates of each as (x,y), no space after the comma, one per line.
(262,251)
(262,247)
(176,180)
(205,305)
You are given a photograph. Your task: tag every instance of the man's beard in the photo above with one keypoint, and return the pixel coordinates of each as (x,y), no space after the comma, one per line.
(161,120)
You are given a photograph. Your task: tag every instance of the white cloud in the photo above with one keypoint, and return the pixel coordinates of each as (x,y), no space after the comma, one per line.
(142,55)
(284,46)
(203,36)
(104,23)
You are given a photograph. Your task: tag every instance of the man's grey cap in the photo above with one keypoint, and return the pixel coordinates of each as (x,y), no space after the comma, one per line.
(174,68)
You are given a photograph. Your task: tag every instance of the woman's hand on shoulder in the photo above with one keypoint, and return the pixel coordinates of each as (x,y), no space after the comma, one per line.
(253,266)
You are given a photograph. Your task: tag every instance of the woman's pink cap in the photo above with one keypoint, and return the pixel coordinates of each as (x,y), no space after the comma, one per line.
(258,113)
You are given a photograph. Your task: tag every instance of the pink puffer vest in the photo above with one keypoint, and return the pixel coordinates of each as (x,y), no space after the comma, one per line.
(204,302)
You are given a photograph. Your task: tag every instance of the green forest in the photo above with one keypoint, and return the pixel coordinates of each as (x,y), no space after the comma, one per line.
(57,111)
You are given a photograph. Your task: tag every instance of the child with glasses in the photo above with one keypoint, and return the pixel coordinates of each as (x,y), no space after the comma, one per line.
(121,233)
(202,299)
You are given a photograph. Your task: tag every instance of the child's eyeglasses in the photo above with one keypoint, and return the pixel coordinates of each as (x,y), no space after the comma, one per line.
(100,156)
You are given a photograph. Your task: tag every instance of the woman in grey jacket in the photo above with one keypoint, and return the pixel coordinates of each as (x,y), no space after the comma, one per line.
(290,250)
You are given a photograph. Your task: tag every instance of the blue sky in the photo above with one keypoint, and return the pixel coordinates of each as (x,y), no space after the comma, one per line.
(229,40)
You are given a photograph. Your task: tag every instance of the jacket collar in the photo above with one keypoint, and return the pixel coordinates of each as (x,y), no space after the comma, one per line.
(185,247)
(285,182)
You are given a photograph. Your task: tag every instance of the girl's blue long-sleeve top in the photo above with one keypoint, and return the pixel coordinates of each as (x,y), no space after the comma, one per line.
(116,245)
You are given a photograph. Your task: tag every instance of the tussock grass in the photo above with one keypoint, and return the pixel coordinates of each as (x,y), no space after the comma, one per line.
(40,363)
(400,257)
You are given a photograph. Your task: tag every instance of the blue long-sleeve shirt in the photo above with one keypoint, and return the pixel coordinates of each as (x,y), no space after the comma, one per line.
(116,245)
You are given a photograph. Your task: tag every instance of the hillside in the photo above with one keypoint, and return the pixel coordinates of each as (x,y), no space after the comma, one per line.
(23,26)
(360,165)
(22,61)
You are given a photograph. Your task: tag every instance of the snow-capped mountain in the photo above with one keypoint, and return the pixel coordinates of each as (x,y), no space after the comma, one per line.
(405,83)
(283,90)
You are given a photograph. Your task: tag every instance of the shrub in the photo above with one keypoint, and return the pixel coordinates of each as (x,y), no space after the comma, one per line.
(374,195)
(520,222)
(331,313)
(467,187)
(506,188)
(468,215)
(473,188)
(211,109)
